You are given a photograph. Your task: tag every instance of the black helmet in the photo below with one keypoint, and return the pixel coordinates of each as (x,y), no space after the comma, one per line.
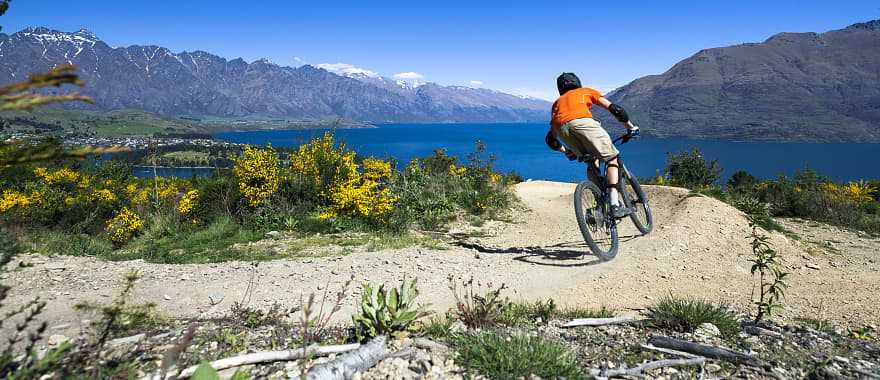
(567,81)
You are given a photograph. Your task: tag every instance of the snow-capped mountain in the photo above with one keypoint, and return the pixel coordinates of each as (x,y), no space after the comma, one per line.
(198,83)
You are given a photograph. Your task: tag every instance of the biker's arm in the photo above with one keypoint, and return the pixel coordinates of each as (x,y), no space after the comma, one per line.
(618,112)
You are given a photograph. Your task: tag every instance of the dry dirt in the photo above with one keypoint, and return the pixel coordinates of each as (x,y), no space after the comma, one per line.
(699,247)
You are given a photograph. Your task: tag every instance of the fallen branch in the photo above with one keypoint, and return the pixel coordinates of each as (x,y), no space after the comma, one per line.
(755,330)
(345,366)
(430,345)
(648,366)
(598,321)
(713,352)
(668,351)
(271,356)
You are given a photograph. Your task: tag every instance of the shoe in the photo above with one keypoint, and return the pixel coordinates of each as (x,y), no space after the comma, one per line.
(619,212)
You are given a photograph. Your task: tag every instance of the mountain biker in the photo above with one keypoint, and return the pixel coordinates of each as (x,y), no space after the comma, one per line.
(573,125)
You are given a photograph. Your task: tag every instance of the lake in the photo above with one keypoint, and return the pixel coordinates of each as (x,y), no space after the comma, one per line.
(520,147)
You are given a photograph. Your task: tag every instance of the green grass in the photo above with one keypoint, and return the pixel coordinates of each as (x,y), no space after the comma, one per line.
(501,356)
(61,243)
(211,243)
(519,314)
(436,327)
(817,324)
(685,314)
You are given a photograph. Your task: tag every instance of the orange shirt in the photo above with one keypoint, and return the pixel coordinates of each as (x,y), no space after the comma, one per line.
(575,104)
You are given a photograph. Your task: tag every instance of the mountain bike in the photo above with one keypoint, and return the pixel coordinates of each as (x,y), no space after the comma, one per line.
(593,209)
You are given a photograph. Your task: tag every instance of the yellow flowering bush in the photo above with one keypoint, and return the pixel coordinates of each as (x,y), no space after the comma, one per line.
(124,226)
(14,199)
(258,173)
(859,192)
(322,162)
(361,194)
(188,202)
(457,171)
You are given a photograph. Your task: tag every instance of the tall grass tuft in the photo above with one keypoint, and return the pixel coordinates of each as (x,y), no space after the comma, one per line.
(496,355)
(685,314)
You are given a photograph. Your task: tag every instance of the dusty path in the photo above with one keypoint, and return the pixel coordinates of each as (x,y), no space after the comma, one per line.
(699,248)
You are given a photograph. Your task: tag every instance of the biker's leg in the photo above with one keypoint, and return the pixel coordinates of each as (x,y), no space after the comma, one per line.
(612,173)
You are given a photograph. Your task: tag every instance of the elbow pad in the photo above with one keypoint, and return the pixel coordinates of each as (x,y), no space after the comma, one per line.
(619,113)
(551,141)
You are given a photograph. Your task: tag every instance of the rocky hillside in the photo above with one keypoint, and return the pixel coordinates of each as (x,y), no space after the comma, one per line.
(792,87)
(197,83)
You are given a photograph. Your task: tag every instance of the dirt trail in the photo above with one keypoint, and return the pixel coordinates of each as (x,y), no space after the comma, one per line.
(699,247)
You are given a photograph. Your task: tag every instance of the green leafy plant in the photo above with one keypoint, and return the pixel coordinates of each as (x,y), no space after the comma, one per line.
(384,312)
(771,279)
(475,308)
(686,314)
(691,170)
(496,355)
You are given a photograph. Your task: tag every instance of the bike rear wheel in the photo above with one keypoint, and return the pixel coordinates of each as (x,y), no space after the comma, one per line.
(593,217)
(634,197)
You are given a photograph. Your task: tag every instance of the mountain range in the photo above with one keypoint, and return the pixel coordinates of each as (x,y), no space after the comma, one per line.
(199,84)
(810,87)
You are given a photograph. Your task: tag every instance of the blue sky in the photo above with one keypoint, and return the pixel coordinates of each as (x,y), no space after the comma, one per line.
(515,46)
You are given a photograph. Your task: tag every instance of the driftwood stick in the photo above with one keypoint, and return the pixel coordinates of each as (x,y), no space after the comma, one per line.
(598,321)
(713,352)
(272,356)
(648,366)
(668,351)
(345,366)
(430,345)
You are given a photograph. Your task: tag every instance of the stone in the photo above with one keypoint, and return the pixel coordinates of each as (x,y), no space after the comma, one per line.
(273,234)
(707,330)
(56,340)
(215,299)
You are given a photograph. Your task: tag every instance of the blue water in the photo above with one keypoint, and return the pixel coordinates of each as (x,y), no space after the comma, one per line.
(520,147)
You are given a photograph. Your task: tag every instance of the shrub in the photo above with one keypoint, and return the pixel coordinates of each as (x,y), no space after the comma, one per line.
(691,170)
(384,312)
(123,226)
(258,174)
(686,314)
(500,356)
(476,309)
(742,182)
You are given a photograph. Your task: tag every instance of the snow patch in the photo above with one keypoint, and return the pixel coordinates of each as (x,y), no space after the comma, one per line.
(348,70)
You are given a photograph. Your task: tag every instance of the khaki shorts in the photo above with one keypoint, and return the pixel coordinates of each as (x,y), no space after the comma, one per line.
(587,136)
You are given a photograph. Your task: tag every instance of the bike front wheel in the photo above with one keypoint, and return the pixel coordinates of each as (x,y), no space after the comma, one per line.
(595,221)
(634,197)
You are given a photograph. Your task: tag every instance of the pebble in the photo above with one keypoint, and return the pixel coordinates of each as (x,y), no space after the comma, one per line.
(166,297)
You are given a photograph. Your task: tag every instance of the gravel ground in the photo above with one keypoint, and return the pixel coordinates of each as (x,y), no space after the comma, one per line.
(700,247)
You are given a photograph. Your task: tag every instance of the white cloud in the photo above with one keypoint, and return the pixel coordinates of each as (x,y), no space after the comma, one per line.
(409,75)
(346,69)
(476,83)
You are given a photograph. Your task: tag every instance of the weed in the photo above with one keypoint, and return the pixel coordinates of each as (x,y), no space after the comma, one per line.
(386,312)
(582,312)
(771,278)
(818,324)
(438,327)
(249,317)
(686,314)
(524,313)
(500,356)
(313,323)
(477,309)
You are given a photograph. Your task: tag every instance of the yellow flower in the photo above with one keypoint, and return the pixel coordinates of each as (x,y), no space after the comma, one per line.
(457,171)
(123,226)
(103,195)
(258,174)
(63,175)
(12,199)
(188,202)
(376,169)
(859,192)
